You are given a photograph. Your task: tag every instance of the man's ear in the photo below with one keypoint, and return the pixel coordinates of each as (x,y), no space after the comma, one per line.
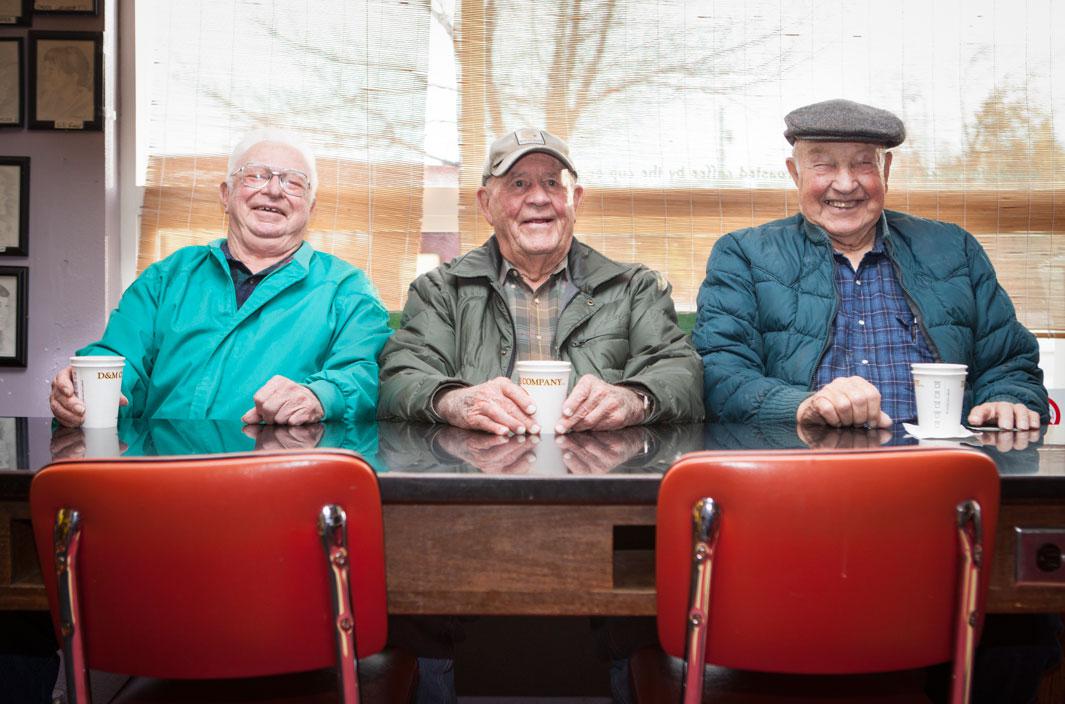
(223,195)
(578,196)
(793,169)
(482,204)
(887,168)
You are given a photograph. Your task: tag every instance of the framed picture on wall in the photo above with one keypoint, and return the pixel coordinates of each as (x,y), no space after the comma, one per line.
(65,7)
(13,316)
(11,91)
(14,444)
(14,206)
(15,12)
(66,81)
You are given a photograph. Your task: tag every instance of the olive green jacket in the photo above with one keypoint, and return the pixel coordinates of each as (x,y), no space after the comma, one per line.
(620,326)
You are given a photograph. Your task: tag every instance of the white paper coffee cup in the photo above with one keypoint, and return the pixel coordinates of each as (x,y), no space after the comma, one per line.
(940,392)
(98,383)
(547,381)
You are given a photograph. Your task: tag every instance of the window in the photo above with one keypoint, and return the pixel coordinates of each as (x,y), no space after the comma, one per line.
(673,111)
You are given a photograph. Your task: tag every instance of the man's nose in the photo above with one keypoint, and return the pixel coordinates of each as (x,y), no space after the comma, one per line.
(845,180)
(537,194)
(273,186)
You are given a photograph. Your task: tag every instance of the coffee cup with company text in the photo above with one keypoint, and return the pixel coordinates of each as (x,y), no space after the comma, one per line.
(547,381)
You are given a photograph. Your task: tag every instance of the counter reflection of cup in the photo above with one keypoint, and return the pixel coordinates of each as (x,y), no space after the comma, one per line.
(548,457)
(101,442)
(940,392)
(98,383)
(547,381)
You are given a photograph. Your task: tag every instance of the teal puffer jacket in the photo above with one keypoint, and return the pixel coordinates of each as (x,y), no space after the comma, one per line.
(769,298)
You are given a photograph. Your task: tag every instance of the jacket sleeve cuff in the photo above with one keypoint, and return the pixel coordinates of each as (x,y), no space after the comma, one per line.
(781,404)
(330,397)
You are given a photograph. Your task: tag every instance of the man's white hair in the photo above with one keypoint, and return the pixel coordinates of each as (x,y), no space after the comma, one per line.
(274,135)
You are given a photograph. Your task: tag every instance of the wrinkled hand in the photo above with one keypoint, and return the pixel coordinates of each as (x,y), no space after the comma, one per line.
(846,401)
(596,405)
(492,454)
(67,443)
(823,437)
(1005,415)
(1007,440)
(284,402)
(598,453)
(498,406)
(285,437)
(67,408)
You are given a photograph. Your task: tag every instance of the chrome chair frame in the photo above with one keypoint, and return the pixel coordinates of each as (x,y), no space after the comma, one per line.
(332,527)
(706,523)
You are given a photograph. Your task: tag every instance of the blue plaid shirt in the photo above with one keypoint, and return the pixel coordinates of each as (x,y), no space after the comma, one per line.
(875,334)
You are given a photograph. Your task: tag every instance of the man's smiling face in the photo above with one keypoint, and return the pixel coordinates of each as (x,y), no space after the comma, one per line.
(532,208)
(268,216)
(841,186)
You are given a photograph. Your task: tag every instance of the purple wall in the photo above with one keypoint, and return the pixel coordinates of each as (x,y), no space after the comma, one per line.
(67,281)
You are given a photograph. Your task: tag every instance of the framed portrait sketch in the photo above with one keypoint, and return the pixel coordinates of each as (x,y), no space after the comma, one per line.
(14,206)
(65,7)
(11,91)
(66,81)
(15,12)
(13,316)
(14,444)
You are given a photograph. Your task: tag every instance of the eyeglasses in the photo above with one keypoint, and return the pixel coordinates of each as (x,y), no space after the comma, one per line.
(256,176)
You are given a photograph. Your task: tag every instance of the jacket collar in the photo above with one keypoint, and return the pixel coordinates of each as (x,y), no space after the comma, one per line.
(588,269)
(815,233)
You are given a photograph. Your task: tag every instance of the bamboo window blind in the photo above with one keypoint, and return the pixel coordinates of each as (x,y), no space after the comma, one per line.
(673,111)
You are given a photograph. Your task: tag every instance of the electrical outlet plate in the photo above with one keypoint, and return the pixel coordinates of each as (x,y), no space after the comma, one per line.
(1040,556)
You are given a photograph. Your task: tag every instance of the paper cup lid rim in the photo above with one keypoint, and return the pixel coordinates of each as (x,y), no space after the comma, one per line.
(544,364)
(98,359)
(938,365)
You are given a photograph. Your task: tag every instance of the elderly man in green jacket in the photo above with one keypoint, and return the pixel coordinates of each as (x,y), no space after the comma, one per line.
(817,318)
(534,292)
(257,326)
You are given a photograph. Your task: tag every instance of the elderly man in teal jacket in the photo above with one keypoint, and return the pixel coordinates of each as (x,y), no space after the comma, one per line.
(257,326)
(816,318)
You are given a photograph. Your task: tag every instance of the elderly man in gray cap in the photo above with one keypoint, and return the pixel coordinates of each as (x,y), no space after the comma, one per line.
(533,292)
(816,318)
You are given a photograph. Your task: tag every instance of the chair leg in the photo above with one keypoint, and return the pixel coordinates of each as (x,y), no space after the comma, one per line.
(66,540)
(332,526)
(970,541)
(705,522)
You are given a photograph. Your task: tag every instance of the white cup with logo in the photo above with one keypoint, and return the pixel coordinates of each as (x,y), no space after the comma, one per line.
(940,392)
(98,383)
(547,381)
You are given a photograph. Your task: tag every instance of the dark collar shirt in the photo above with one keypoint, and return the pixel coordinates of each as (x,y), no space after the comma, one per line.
(875,334)
(535,313)
(244,281)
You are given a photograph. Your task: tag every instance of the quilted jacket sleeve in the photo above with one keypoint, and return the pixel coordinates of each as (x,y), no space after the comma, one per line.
(1005,355)
(727,336)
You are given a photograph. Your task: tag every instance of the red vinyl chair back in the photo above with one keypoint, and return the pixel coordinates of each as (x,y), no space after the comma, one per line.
(825,562)
(210,567)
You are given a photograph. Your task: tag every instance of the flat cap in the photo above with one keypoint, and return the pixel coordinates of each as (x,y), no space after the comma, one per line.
(844,121)
(512,146)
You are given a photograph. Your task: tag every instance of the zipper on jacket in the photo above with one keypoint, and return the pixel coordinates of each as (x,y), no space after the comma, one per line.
(831,321)
(917,317)
(513,330)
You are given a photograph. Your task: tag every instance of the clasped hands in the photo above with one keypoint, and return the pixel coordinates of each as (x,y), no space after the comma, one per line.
(502,407)
(280,401)
(854,402)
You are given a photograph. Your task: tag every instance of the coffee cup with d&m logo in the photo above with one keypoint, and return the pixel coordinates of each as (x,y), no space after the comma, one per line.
(98,383)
